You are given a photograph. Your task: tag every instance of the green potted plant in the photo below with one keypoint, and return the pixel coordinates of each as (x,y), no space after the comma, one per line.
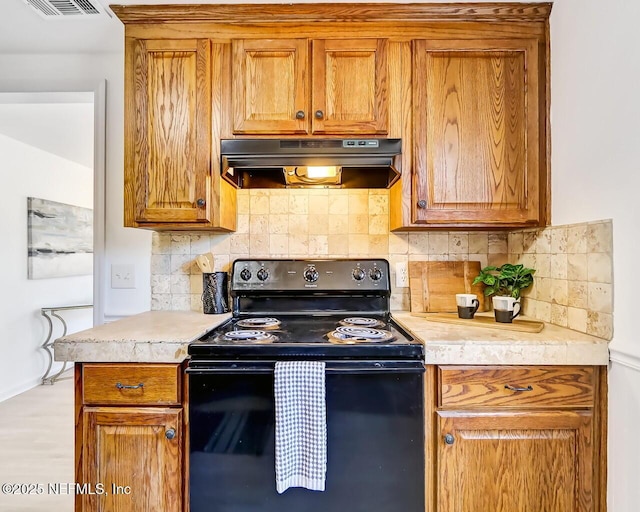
(504,284)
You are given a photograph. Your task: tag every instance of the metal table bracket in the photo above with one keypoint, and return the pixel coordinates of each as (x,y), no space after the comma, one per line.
(49,314)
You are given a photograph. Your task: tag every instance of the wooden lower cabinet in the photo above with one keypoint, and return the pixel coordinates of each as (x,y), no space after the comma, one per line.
(517,439)
(130,440)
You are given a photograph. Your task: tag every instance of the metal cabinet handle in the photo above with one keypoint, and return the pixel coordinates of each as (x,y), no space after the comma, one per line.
(201,202)
(422,203)
(515,388)
(300,114)
(170,434)
(319,114)
(125,386)
(449,439)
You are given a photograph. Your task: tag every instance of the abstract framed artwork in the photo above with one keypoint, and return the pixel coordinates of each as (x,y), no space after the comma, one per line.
(60,239)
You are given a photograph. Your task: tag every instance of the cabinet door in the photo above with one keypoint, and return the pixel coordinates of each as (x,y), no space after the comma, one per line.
(476,132)
(515,461)
(270,86)
(136,447)
(172,132)
(350,86)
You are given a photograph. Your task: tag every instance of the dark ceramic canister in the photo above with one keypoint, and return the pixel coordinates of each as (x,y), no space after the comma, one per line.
(215,293)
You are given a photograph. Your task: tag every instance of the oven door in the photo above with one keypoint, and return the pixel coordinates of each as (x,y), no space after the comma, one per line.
(375,439)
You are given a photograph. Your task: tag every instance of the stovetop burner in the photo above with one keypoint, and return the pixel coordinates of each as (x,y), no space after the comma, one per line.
(267,322)
(248,336)
(361,321)
(352,334)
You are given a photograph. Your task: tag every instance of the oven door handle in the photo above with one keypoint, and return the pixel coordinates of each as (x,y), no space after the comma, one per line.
(332,367)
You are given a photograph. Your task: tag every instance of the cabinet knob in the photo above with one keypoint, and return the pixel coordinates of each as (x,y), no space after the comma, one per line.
(170,433)
(319,114)
(300,114)
(201,202)
(449,439)
(422,203)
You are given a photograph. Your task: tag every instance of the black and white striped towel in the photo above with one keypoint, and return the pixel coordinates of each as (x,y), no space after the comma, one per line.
(301,425)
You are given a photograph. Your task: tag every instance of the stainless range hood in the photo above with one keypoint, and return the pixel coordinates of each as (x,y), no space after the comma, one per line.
(319,163)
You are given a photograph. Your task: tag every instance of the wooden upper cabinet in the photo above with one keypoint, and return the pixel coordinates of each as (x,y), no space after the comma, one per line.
(285,87)
(270,86)
(477,133)
(172,131)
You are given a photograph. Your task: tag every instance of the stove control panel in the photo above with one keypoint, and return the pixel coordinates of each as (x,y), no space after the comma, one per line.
(344,275)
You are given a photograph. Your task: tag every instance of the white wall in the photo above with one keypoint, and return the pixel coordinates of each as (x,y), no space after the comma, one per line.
(595,94)
(123,245)
(30,172)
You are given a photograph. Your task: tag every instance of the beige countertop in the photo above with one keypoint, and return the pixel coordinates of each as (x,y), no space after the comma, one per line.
(459,344)
(151,337)
(163,337)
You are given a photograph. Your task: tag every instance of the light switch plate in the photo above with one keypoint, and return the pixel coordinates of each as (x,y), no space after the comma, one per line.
(123,276)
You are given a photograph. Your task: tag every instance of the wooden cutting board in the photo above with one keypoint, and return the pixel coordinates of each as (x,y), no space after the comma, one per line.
(483,321)
(433,285)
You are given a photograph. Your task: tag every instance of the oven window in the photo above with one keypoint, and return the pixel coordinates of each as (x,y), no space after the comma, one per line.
(375,459)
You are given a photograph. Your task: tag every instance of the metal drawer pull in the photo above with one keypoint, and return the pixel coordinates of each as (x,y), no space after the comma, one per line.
(514,388)
(449,439)
(124,386)
(170,434)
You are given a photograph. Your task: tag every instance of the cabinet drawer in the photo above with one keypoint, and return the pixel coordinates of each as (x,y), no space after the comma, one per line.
(131,384)
(516,386)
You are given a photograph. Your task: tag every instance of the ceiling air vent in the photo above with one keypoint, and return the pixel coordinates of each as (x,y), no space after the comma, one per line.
(52,9)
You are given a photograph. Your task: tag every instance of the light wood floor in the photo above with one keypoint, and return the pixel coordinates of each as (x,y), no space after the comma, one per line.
(36,446)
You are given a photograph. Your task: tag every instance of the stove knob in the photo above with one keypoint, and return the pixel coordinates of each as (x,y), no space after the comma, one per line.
(262,274)
(375,274)
(358,274)
(245,274)
(310,274)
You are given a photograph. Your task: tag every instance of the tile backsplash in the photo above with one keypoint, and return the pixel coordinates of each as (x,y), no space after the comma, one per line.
(573,285)
(573,280)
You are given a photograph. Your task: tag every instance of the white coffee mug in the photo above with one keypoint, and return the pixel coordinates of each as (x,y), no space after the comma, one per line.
(505,303)
(466,300)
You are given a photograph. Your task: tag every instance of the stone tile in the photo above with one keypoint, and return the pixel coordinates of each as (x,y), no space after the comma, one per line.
(180,284)
(559,266)
(181,302)
(240,244)
(279,224)
(199,244)
(579,294)
(318,224)
(160,302)
(479,243)
(577,267)
(419,243)
(440,257)
(260,204)
(529,307)
(543,311)
(559,240)
(299,246)
(379,204)
(516,243)
(600,297)
(220,244)
(160,243)
(530,260)
(338,204)
(543,242)
(438,243)
(358,224)
(160,264)
(160,283)
(542,264)
(458,243)
(242,226)
(278,204)
(259,245)
(560,291)
(378,224)
(600,267)
(559,315)
(358,203)
(181,264)
(318,245)
(196,302)
(338,224)
(379,246)
(298,204)
(498,243)
(298,225)
(358,245)
(319,204)
(599,237)
(258,224)
(529,241)
(577,238)
(180,244)
(600,324)
(577,319)
(222,263)
(483,258)
(279,245)
(543,285)
(497,260)
(243,202)
(338,245)
(398,243)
